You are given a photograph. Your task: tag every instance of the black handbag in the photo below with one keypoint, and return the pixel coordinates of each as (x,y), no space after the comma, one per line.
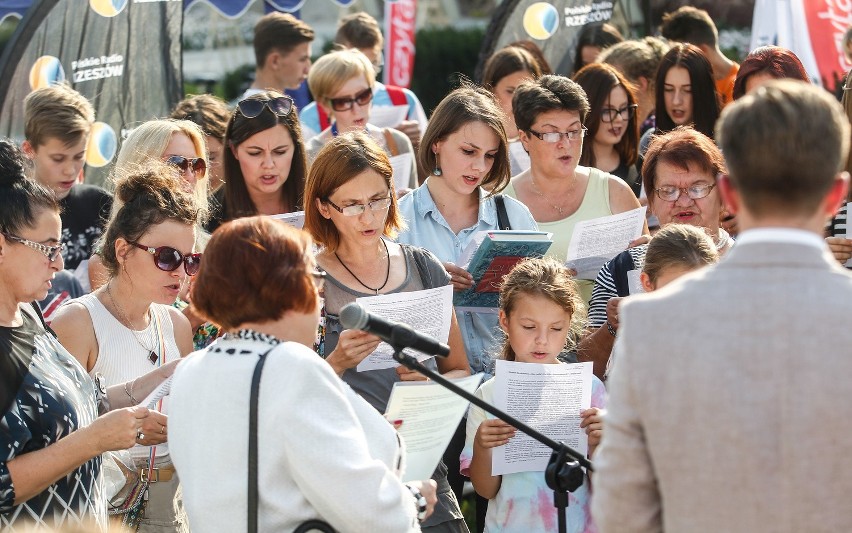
(310,525)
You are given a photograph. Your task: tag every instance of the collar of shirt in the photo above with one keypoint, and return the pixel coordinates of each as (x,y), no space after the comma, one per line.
(425,205)
(781,235)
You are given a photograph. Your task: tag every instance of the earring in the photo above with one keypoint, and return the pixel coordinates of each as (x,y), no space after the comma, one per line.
(437,171)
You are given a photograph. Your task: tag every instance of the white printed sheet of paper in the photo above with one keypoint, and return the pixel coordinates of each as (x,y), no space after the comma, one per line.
(428,311)
(388,116)
(547,398)
(596,241)
(430,414)
(162,390)
(295,219)
(634,281)
(401,165)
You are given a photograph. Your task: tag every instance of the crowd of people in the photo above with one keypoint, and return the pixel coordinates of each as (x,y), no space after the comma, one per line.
(172,357)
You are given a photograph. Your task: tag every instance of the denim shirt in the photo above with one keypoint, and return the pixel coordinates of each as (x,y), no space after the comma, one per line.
(428,228)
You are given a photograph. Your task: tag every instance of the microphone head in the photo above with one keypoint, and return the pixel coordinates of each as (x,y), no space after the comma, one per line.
(353,316)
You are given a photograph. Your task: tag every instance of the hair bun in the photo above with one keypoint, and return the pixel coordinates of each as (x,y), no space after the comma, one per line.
(153,181)
(12,164)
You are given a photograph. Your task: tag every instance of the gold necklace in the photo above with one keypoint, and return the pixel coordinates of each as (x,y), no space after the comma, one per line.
(152,356)
(558,209)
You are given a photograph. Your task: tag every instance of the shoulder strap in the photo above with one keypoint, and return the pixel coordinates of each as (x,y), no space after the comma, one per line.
(396,95)
(391,142)
(324,121)
(422,269)
(38,313)
(252,452)
(620,266)
(502,215)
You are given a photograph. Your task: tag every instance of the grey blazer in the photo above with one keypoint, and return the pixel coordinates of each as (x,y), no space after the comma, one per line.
(731,400)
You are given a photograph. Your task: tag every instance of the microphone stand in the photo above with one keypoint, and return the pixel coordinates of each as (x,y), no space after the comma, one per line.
(564,471)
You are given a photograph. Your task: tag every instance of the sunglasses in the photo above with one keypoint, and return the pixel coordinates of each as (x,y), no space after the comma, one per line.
(252,107)
(168,259)
(196,165)
(346,103)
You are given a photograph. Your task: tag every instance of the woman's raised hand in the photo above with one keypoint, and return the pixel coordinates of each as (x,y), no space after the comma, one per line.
(353,346)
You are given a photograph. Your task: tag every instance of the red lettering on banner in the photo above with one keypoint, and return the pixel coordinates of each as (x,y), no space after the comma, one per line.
(399,28)
(827,22)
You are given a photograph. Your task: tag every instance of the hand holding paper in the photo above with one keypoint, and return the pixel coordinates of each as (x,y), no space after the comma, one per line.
(596,241)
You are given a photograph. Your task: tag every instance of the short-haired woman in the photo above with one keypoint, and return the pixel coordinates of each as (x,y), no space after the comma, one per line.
(323,452)
(352,213)
(264,163)
(551,113)
(342,84)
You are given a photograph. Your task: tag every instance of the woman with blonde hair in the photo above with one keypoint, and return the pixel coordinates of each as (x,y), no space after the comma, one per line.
(342,84)
(352,213)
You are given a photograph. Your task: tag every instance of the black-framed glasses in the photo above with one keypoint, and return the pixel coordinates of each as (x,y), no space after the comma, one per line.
(556,136)
(608,114)
(357,209)
(671,193)
(168,259)
(252,107)
(196,165)
(51,252)
(319,279)
(345,104)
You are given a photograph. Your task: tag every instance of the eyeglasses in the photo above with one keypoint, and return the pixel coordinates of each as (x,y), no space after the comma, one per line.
(556,136)
(357,209)
(608,114)
(168,259)
(669,193)
(51,252)
(196,165)
(252,107)
(345,104)
(319,279)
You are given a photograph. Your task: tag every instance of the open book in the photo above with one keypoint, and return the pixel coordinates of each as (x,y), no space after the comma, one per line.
(489,257)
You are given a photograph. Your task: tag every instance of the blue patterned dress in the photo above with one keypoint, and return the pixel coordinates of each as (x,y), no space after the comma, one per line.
(45,395)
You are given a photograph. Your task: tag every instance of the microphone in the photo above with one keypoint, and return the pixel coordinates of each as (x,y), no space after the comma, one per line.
(398,335)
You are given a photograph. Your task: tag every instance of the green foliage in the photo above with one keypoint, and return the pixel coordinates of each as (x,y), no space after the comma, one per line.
(234,83)
(442,54)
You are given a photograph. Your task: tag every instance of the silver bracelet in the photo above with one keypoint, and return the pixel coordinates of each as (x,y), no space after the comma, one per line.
(420,501)
(129,392)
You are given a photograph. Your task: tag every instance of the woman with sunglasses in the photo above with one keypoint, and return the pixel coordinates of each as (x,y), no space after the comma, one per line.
(613,144)
(264,160)
(352,214)
(50,434)
(342,84)
(550,113)
(177,142)
(129,327)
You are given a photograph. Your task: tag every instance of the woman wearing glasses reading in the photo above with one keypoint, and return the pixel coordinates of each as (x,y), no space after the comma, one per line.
(352,214)
(128,327)
(342,84)
(264,160)
(613,140)
(550,113)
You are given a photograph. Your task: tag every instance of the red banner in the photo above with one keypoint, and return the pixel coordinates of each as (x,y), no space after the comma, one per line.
(399,49)
(827,22)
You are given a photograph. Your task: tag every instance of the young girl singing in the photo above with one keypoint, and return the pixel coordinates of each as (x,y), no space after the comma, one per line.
(539,304)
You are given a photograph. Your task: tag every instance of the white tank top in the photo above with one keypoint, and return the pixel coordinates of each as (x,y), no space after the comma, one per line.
(121,357)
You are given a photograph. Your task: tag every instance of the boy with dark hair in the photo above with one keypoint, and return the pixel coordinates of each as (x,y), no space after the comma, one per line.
(694,26)
(57,123)
(282,51)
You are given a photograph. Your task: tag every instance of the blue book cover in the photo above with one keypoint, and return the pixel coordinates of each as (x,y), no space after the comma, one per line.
(497,254)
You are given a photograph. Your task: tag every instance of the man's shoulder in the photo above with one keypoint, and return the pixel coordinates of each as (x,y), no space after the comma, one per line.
(87,194)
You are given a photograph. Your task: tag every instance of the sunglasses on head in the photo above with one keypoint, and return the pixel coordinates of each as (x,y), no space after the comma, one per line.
(168,259)
(197,165)
(252,107)
(346,103)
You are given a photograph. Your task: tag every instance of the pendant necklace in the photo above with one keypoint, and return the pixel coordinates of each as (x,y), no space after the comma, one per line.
(387,274)
(558,209)
(152,356)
